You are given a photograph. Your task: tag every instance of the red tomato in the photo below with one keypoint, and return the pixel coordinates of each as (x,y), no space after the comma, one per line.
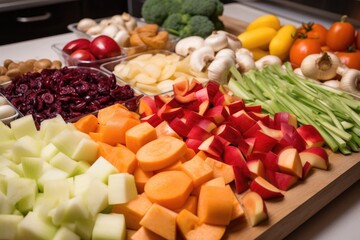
(314,31)
(76,44)
(302,48)
(341,35)
(350,59)
(104,47)
(358,39)
(82,54)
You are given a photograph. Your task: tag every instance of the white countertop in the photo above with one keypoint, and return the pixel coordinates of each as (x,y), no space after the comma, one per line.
(338,220)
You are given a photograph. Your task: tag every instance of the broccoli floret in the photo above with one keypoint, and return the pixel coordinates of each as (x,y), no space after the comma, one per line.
(156,11)
(175,22)
(218,24)
(199,7)
(219,9)
(197,26)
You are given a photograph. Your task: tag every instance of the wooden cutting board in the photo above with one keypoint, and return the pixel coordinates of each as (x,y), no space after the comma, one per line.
(303,200)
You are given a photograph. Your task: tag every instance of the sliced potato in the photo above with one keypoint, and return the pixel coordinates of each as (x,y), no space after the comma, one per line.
(148,88)
(166,85)
(152,70)
(145,79)
(167,72)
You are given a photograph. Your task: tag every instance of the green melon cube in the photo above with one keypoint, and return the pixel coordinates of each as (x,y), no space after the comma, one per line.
(24,126)
(8,225)
(109,226)
(33,227)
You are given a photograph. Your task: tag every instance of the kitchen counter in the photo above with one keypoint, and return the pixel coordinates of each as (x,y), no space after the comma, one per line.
(338,220)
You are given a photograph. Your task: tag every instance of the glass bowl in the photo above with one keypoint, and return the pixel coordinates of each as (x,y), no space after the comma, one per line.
(70,61)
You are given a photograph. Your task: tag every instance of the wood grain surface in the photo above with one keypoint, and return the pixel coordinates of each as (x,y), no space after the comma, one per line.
(304,199)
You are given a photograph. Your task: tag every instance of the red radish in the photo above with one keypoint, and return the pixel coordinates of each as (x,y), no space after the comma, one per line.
(104,47)
(76,44)
(82,54)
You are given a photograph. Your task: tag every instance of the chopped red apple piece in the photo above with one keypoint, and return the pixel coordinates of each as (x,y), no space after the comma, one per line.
(311,135)
(254,208)
(256,168)
(289,162)
(285,181)
(316,156)
(265,189)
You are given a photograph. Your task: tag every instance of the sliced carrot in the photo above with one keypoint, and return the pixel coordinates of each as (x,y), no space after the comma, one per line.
(161,221)
(87,123)
(160,153)
(133,211)
(139,135)
(186,221)
(198,170)
(213,209)
(221,169)
(141,177)
(114,130)
(176,166)
(145,234)
(164,129)
(169,188)
(114,112)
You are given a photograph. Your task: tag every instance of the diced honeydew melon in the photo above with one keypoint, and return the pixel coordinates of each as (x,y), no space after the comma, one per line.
(101,169)
(6,207)
(96,197)
(16,168)
(5,146)
(8,173)
(49,151)
(33,227)
(26,146)
(8,225)
(51,129)
(49,174)
(6,133)
(27,203)
(63,162)
(122,188)
(109,226)
(66,141)
(44,205)
(3,184)
(57,214)
(86,150)
(76,209)
(59,189)
(84,228)
(24,126)
(20,188)
(82,167)
(82,183)
(65,233)
(32,167)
